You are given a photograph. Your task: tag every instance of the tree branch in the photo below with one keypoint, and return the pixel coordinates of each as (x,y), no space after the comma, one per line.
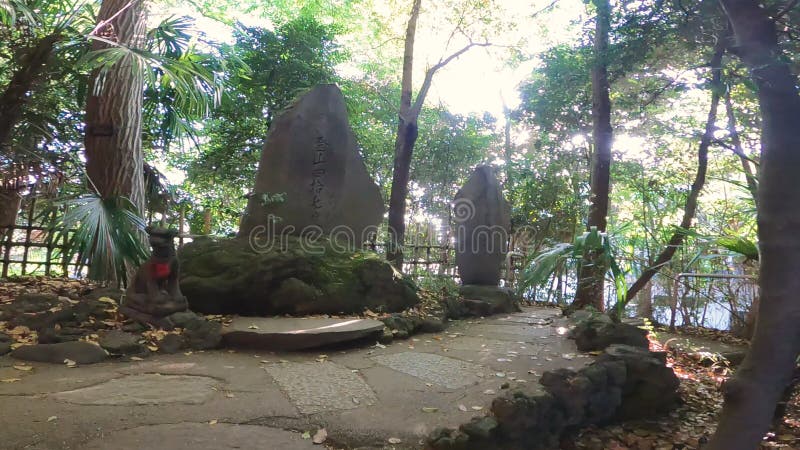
(786,9)
(426,83)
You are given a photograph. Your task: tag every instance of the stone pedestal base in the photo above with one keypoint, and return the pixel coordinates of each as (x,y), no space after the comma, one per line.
(163,323)
(156,312)
(481,300)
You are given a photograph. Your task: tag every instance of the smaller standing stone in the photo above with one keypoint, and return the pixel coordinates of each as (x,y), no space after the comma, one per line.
(483,221)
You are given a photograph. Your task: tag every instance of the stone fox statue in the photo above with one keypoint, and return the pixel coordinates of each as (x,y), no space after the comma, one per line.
(154,289)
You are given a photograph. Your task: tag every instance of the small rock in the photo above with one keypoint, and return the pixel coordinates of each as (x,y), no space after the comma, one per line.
(33,303)
(115,294)
(172,343)
(80,352)
(203,334)
(320,436)
(480,427)
(430,325)
(134,327)
(5,347)
(121,343)
(386,337)
(185,319)
(598,332)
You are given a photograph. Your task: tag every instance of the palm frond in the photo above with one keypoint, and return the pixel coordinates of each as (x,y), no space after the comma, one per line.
(103,234)
(12,10)
(740,245)
(542,266)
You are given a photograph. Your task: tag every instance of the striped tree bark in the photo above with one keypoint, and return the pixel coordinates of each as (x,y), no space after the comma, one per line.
(114,160)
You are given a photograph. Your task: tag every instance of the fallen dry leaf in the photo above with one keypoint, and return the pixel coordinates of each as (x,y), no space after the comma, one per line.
(22,367)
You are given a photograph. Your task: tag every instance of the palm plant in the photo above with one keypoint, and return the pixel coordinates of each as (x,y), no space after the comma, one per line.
(102,234)
(49,37)
(541,266)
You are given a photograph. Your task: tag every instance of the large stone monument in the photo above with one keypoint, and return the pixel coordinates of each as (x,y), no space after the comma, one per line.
(311,156)
(482,225)
(300,253)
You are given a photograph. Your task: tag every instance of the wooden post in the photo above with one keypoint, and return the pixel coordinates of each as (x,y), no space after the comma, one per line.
(27,242)
(181,217)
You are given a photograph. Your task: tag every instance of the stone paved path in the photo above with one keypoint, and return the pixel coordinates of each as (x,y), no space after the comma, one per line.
(251,400)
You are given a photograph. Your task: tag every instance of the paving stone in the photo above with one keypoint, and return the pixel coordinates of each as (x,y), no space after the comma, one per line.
(469,343)
(321,386)
(287,333)
(448,372)
(524,318)
(200,436)
(523,331)
(144,389)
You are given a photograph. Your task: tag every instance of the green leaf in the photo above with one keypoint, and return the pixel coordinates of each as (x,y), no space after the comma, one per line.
(104,234)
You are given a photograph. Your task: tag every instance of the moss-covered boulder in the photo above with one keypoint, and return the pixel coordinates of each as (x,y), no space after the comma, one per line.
(227,276)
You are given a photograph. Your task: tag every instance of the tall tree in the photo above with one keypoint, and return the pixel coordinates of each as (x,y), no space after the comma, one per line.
(751,396)
(690,207)
(592,271)
(407,133)
(114,158)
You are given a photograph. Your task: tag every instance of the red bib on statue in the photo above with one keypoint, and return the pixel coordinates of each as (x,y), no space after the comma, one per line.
(160,270)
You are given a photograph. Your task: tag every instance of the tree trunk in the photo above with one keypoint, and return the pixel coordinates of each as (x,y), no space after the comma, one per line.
(592,271)
(690,208)
(10,202)
(18,90)
(751,396)
(644,308)
(403,148)
(407,135)
(114,160)
(207,221)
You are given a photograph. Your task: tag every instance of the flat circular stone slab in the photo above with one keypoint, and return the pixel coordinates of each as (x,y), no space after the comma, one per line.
(288,333)
(200,436)
(144,389)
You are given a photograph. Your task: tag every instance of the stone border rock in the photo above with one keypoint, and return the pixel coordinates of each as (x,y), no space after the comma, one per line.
(625,382)
(404,325)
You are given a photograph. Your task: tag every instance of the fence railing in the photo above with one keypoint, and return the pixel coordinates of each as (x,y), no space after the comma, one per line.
(33,250)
